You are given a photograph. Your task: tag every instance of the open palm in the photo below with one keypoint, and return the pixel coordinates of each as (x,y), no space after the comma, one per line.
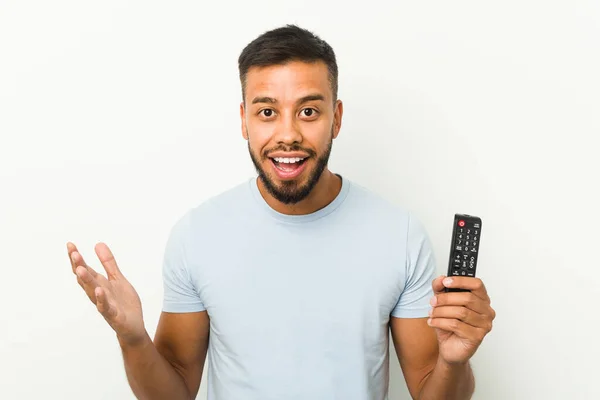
(114,297)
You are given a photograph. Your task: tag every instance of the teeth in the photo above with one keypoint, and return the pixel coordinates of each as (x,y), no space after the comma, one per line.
(288,160)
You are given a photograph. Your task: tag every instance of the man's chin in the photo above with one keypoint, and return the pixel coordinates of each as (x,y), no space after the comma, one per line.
(290,188)
(288,191)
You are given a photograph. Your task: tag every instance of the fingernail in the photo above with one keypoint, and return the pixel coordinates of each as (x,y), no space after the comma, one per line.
(433,301)
(447,281)
(430,312)
(429,321)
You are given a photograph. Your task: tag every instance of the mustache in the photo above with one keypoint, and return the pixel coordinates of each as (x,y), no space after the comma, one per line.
(310,152)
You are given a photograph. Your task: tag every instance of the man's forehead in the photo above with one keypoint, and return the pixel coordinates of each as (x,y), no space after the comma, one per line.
(293,79)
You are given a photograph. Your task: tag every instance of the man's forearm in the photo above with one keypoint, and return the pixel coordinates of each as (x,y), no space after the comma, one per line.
(449,382)
(150,375)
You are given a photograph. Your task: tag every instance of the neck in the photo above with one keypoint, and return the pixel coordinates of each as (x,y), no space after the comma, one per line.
(324,192)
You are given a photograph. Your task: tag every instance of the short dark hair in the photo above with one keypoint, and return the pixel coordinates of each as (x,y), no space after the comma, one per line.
(285,44)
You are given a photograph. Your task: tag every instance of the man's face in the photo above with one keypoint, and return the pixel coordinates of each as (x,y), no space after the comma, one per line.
(290,121)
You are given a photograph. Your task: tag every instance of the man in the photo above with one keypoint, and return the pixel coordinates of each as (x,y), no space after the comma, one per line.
(296,276)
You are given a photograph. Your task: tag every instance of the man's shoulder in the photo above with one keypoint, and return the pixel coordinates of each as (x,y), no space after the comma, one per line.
(384,213)
(213,209)
(375,204)
(233,197)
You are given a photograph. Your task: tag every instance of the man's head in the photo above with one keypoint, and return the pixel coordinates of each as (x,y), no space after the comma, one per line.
(290,111)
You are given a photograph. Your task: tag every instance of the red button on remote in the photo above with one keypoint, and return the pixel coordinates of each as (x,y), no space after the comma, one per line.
(461,223)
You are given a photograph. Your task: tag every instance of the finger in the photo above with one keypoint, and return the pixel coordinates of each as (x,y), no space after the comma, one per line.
(463,314)
(475,285)
(459,328)
(77,260)
(438,285)
(87,281)
(108,261)
(103,304)
(465,299)
(71,249)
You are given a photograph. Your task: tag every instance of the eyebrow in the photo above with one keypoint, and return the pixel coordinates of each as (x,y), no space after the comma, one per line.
(271,100)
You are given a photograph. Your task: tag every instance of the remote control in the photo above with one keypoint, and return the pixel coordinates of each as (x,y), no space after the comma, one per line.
(464,247)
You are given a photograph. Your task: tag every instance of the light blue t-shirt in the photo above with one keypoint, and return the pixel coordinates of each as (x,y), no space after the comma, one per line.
(299,306)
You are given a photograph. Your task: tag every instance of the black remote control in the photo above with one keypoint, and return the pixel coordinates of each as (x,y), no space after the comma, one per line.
(464,247)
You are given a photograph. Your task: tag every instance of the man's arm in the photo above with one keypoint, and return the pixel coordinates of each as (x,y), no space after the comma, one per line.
(435,352)
(171,367)
(427,375)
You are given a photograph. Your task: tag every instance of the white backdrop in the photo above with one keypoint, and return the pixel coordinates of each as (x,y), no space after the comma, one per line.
(117,116)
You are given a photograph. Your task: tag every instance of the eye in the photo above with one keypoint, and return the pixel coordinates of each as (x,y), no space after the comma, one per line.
(267,112)
(309,112)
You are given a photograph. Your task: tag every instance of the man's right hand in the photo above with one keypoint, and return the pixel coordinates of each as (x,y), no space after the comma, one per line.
(114,297)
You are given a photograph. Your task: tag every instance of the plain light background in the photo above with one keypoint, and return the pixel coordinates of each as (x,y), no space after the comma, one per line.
(118,116)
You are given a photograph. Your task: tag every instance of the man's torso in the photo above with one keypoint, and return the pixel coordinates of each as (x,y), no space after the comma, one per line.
(299,305)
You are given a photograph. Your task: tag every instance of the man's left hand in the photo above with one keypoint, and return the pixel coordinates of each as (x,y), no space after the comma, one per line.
(461,319)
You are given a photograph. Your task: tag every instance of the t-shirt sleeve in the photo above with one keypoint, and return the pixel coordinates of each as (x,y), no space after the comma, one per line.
(180,294)
(420,273)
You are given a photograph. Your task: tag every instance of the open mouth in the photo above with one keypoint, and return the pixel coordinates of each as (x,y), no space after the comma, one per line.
(289,167)
(288,164)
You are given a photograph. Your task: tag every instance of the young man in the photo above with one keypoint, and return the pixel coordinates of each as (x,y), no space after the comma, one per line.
(296,276)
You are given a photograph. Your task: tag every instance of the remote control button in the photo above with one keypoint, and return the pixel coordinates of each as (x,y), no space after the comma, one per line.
(467,248)
(455,272)
(460,236)
(459,248)
(461,223)
(465,256)
(471,274)
(461,230)
(463,273)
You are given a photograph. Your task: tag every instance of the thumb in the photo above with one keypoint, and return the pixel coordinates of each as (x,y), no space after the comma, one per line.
(108,261)
(438,284)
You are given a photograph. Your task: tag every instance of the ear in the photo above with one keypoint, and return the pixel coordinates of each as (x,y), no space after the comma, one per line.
(338,111)
(243,120)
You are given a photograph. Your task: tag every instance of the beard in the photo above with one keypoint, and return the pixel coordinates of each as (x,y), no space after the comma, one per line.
(291,192)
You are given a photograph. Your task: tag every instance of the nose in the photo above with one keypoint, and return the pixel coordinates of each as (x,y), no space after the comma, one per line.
(288,130)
